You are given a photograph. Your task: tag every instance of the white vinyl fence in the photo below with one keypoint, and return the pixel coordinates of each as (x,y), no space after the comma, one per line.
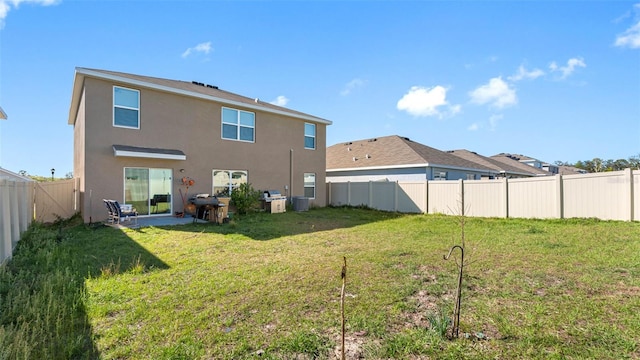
(21,202)
(607,196)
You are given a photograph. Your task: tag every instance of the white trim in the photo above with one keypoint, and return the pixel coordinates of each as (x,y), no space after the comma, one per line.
(148,155)
(81,72)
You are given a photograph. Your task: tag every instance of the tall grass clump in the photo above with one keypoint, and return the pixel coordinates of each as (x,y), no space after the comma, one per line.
(41,301)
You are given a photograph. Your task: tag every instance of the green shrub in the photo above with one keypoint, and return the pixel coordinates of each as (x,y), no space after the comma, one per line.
(245,198)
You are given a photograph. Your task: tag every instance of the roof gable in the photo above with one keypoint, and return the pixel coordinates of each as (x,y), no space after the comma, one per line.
(185,88)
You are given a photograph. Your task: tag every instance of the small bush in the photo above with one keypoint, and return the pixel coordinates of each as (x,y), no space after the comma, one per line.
(245,198)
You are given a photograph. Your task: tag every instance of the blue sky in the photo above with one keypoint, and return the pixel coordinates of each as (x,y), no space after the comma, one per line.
(551,80)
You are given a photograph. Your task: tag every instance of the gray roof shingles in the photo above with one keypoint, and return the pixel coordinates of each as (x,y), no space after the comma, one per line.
(393,151)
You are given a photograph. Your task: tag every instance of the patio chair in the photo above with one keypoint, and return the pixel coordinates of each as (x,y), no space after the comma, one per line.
(113,213)
(122,214)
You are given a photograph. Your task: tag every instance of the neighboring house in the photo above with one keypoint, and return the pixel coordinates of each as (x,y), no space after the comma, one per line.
(10,175)
(503,169)
(513,160)
(139,139)
(553,169)
(395,158)
(570,170)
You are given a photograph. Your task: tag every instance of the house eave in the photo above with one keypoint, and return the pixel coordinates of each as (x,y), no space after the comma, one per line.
(3,115)
(164,154)
(81,73)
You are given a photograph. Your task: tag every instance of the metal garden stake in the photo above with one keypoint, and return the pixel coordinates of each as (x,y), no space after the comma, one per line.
(456,311)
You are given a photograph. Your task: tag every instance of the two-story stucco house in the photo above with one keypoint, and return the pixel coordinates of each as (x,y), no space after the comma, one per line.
(137,138)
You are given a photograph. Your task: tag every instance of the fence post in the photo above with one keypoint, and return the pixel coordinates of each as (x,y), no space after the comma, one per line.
(506,197)
(395,196)
(370,197)
(15,214)
(461,182)
(426,196)
(329,193)
(559,197)
(629,177)
(5,221)
(349,193)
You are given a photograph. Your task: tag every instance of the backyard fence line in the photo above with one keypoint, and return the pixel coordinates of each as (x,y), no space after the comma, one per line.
(607,196)
(22,202)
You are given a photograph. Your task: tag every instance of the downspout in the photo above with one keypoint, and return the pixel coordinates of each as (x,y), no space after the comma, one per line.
(290,176)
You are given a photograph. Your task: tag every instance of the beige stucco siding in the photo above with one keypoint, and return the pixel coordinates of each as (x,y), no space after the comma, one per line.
(191,125)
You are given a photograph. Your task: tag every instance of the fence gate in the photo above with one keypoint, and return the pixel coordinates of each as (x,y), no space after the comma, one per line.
(56,199)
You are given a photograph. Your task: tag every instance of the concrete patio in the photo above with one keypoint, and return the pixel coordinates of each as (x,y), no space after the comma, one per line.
(159,221)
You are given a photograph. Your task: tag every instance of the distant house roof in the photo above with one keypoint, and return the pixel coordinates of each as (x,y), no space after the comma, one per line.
(185,88)
(570,170)
(10,175)
(501,167)
(510,160)
(393,152)
(3,115)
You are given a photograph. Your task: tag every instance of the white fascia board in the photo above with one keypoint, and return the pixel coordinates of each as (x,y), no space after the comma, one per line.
(85,72)
(148,155)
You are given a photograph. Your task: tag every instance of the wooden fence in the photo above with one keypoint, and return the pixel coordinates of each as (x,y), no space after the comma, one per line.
(607,196)
(21,202)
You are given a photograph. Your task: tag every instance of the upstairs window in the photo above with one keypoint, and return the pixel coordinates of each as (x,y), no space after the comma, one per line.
(126,108)
(238,125)
(309,136)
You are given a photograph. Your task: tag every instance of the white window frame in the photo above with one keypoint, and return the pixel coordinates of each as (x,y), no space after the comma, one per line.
(237,125)
(310,136)
(230,174)
(304,184)
(125,107)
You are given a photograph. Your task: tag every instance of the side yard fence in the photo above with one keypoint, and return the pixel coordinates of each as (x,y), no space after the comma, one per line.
(22,202)
(607,196)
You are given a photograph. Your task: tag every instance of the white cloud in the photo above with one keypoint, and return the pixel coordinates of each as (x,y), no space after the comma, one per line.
(202,47)
(422,101)
(630,38)
(493,120)
(572,64)
(280,101)
(352,85)
(7,5)
(473,127)
(525,74)
(497,93)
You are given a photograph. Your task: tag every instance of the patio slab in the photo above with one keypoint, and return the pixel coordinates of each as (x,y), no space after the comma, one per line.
(159,221)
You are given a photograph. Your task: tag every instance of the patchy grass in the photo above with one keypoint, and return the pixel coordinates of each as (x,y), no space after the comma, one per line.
(268,286)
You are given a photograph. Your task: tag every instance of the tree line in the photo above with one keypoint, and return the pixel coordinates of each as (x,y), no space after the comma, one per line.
(599,165)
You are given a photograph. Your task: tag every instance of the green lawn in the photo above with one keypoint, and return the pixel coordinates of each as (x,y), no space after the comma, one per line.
(268,286)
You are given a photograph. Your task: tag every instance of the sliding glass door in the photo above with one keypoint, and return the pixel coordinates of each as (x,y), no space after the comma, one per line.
(148,190)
